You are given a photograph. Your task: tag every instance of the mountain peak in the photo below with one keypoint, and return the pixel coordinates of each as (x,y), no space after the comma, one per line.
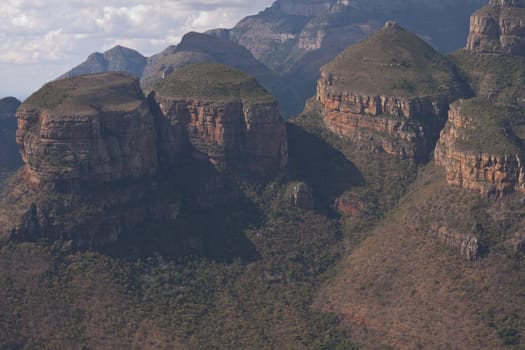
(116,59)
(392,25)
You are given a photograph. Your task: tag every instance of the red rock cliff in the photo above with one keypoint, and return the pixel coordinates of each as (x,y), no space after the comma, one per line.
(94,128)
(491,164)
(237,129)
(389,93)
(499,27)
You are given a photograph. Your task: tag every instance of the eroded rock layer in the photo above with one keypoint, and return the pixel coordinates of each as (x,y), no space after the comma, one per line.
(498,28)
(89,147)
(480,150)
(227,117)
(95,128)
(389,93)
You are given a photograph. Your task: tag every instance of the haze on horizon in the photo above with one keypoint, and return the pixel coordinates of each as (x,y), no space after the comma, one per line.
(40,40)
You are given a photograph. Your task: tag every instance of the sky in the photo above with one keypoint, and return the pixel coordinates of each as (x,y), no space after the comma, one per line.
(41,39)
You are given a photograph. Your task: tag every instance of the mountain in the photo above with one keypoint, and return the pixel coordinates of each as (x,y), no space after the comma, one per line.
(195,48)
(197,218)
(99,132)
(229,118)
(117,59)
(161,215)
(389,93)
(296,37)
(451,246)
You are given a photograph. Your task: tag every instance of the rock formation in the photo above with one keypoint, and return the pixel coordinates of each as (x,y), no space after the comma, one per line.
(9,155)
(389,93)
(466,245)
(94,128)
(100,157)
(117,59)
(89,147)
(480,150)
(300,196)
(228,118)
(498,28)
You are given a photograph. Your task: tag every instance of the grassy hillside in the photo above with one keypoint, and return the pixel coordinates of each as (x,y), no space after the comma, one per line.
(393,62)
(405,289)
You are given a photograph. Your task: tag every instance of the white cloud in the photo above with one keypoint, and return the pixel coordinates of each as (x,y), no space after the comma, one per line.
(57,33)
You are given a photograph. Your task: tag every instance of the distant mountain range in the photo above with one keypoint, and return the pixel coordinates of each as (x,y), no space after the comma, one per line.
(293,39)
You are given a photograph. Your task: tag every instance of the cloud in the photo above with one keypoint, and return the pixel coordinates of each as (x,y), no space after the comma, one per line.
(58,33)
(33,30)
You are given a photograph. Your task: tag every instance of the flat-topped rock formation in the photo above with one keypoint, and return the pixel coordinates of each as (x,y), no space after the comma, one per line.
(481,148)
(93,128)
(227,116)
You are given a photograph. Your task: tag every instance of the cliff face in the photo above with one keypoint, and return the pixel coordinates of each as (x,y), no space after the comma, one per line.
(498,28)
(100,157)
(232,122)
(89,147)
(389,93)
(490,164)
(94,128)
(9,156)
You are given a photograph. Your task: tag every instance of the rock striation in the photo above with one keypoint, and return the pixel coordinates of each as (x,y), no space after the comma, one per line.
(89,148)
(389,93)
(466,245)
(498,28)
(103,162)
(481,147)
(480,150)
(93,128)
(9,156)
(228,118)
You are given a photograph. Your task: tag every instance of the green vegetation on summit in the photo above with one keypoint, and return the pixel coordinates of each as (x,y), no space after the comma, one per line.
(393,62)
(213,81)
(84,94)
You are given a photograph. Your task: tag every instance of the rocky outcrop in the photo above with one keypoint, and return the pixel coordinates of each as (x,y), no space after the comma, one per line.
(102,161)
(489,163)
(95,128)
(467,245)
(9,156)
(117,59)
(89,147)
(230,121)
(498,28)
(388,94)
(300,195)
